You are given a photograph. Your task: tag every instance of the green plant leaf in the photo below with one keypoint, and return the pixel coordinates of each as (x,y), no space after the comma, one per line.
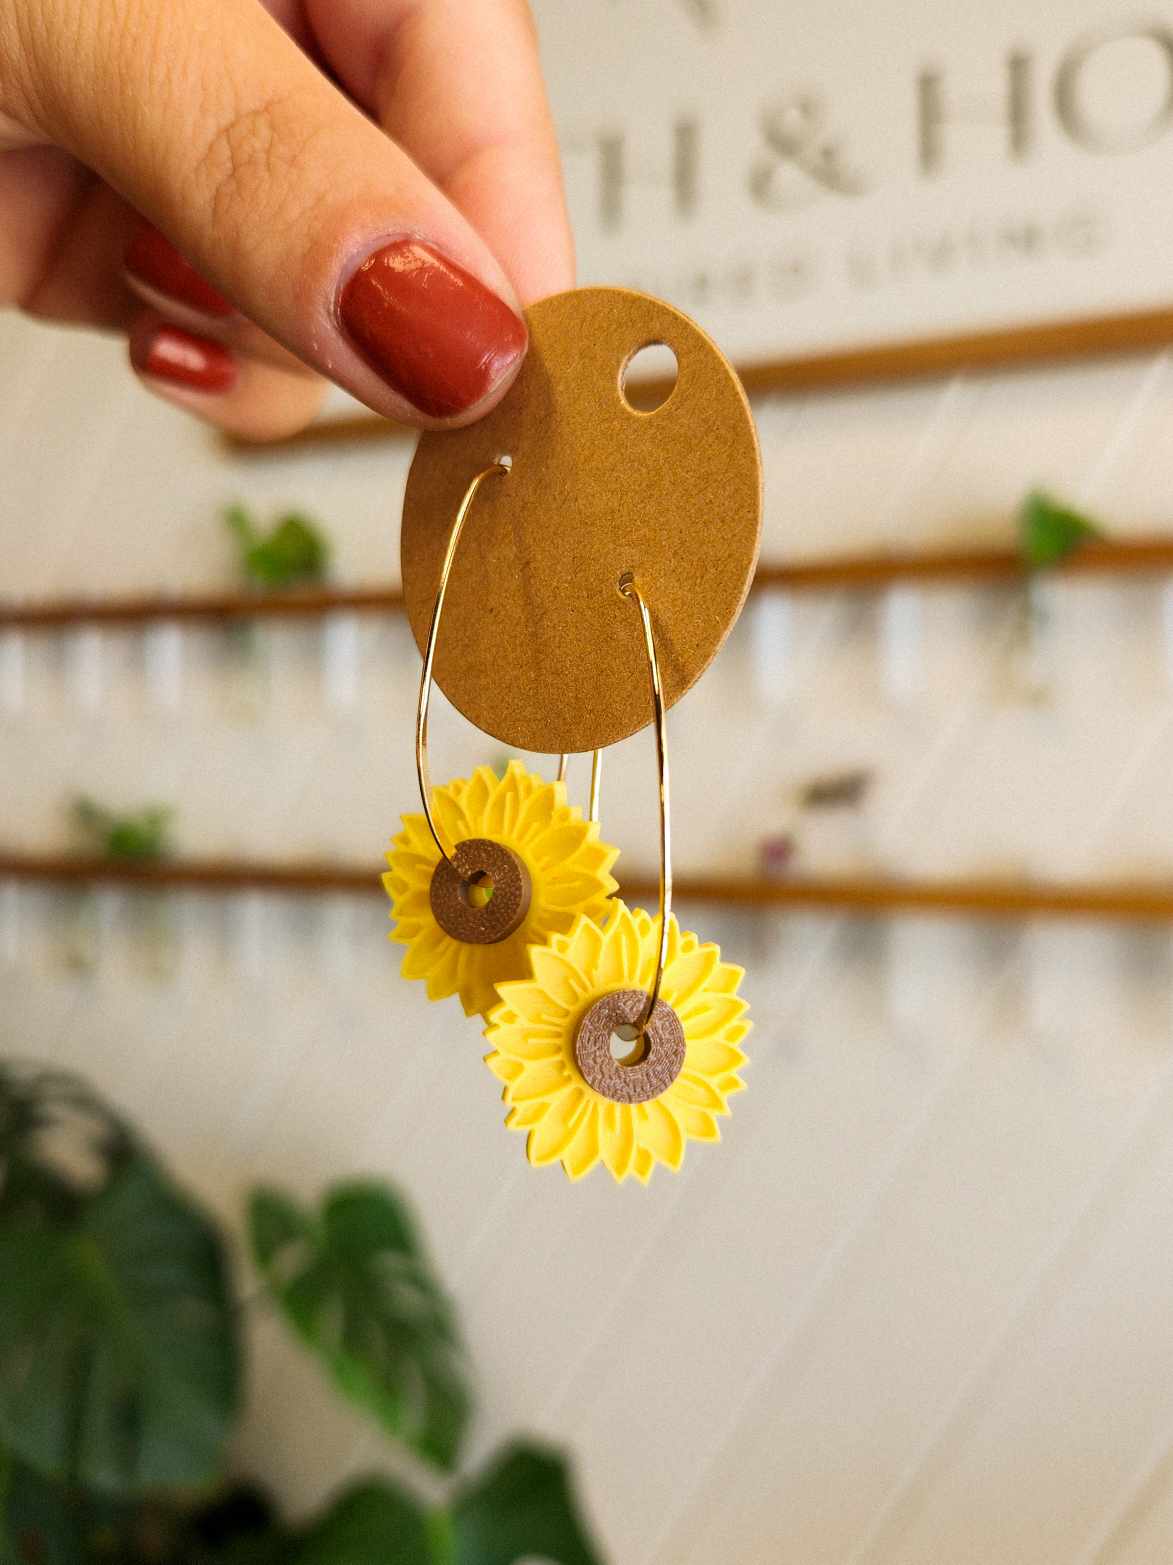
(52,1524)
(1049,532)
(354,1283)
(240,523)
(237,1527)
(294,552)
(40,1526)
(521,1507)
(139,835)
(374,1523)
(119,1359)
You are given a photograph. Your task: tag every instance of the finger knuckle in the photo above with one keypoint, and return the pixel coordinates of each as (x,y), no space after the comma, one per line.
(247,170)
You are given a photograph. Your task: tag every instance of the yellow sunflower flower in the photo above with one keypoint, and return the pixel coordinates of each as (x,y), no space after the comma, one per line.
(568,869)
(534,1030)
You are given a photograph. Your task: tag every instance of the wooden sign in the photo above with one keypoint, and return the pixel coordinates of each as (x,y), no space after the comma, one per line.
(813,180)
(842,191)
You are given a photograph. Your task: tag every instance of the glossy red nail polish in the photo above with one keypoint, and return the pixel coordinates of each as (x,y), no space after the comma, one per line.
(183,360)
(155,261)
(430,329)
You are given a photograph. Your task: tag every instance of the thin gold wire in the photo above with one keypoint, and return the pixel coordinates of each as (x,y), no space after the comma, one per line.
(596,780)
(629,589)
(421,714)
(596,785)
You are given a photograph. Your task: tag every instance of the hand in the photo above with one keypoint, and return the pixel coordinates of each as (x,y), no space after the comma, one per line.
(382,232)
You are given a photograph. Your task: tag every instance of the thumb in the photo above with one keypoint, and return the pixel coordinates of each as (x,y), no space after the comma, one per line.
(213,123)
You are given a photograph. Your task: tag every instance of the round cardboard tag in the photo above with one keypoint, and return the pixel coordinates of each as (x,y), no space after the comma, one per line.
(538,646)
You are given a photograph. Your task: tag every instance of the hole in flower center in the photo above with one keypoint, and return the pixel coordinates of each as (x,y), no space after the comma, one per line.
(629,1046)
(478,889)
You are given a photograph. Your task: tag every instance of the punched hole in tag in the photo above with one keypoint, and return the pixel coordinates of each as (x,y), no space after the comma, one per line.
(648,377)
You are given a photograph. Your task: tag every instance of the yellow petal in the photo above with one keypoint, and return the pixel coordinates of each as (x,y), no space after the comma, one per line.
(659,1132)
(727,979)
(444,974)
(540,1079)
(696,1090)
(558,976)
(708,1014)
(529,1043)
(689,973)
(566,889)
(621,960)
(698,1124)
(532,1003)
(583,1152)
(617,1138)
(477,799)
(423,953)
(557,1128)
(534,816)
(505,1069)
(586,948)
(709,1057)
(416,839)
(560,841)
(525,1115)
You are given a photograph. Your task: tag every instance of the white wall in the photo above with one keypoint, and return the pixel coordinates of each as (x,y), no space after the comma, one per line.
(915,1308)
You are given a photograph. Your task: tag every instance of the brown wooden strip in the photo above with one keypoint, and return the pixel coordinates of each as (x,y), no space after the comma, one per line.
(1129,901)
(1005,348)
(849,572)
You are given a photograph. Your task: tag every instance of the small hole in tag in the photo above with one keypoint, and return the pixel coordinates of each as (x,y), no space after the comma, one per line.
(478,889)
(628,1045)
(648,378)
(505,461)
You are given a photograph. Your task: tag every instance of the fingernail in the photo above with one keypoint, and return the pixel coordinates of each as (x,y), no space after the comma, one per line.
(155,261)
(176,356)
(430,329)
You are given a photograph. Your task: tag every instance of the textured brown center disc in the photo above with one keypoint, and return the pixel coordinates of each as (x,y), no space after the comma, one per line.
(478,859)
(538,647)
(661,1064)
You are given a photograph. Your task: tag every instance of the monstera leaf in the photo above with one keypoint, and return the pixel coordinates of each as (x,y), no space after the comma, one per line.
(353,1282)
(374,1523)
(47,1523)
(119,1361)
(40,1526)
(521,1508)
(1049,532)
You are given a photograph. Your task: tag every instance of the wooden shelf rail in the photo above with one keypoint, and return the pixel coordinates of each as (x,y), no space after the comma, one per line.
(1000,349)
(1151,555)
(1123,902)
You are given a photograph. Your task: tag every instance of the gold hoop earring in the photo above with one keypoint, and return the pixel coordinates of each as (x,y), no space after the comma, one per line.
(624,1043)
(520,863)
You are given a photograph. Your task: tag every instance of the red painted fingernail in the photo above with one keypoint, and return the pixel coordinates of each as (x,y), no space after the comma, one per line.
(432,331)
(176,356)
(155,261)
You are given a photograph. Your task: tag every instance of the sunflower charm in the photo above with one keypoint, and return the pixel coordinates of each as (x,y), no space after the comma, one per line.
(525,865)
(552,1046)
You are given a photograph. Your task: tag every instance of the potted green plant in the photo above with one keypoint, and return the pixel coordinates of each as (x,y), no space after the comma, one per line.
(122,1349)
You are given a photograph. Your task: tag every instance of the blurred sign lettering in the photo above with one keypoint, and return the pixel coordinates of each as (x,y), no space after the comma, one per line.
(819,176)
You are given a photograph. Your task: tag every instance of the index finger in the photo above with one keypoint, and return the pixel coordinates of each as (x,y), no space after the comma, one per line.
(458,85)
